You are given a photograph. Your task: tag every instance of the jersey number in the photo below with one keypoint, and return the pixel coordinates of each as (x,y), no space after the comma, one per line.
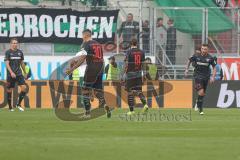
(98,51)
(137,59)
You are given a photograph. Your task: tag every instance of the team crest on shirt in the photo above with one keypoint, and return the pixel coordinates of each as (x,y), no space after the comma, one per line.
(19,54)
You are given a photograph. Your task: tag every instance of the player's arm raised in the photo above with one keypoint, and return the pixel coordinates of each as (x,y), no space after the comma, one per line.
(80,59)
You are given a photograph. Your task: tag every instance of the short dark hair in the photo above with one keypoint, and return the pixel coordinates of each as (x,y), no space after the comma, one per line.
(204,45)
(111,57)
(134,42)
(130,14)
(149,59)
(13,39)
(87,31)
(171,20)
(215,58)
(146,21)
(159,19)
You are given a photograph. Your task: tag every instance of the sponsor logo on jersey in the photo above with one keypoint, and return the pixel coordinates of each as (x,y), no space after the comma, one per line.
(202,64)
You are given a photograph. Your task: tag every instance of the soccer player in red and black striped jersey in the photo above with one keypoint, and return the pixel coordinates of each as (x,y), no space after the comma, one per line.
(135,59)
(92,52)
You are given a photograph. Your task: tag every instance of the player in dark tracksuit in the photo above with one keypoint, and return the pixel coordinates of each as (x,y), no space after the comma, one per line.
(202,73)
(93,54)
(134,67)
(14,62)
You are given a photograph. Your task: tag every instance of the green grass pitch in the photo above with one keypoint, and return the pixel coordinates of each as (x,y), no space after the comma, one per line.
(39,135)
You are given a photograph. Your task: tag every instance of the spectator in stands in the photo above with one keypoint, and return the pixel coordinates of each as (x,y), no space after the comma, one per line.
(161,37)
(69,2)
(171,41)
(42,6)
(111,70)
(128,30)
(146,36)
(96,3)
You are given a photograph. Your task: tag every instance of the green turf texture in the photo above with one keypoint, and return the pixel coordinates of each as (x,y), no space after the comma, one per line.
(39,135)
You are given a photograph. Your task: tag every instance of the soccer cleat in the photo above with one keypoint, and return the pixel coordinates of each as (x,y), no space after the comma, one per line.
(195,107)
(201,113)
(11,110)
(19,108)
(145,108)
(108,111)
(130,113)
(87,115)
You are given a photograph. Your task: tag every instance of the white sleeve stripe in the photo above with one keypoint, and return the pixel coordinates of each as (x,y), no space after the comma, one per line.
(82,52)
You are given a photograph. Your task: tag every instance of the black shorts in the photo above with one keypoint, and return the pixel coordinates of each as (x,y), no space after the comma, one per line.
(12,81)
(133,82)
(201,84)
(93,82)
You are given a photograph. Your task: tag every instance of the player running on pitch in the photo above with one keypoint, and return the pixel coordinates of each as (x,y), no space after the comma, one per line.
(91,52)
(202,73)
(135,59)
(14,62)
